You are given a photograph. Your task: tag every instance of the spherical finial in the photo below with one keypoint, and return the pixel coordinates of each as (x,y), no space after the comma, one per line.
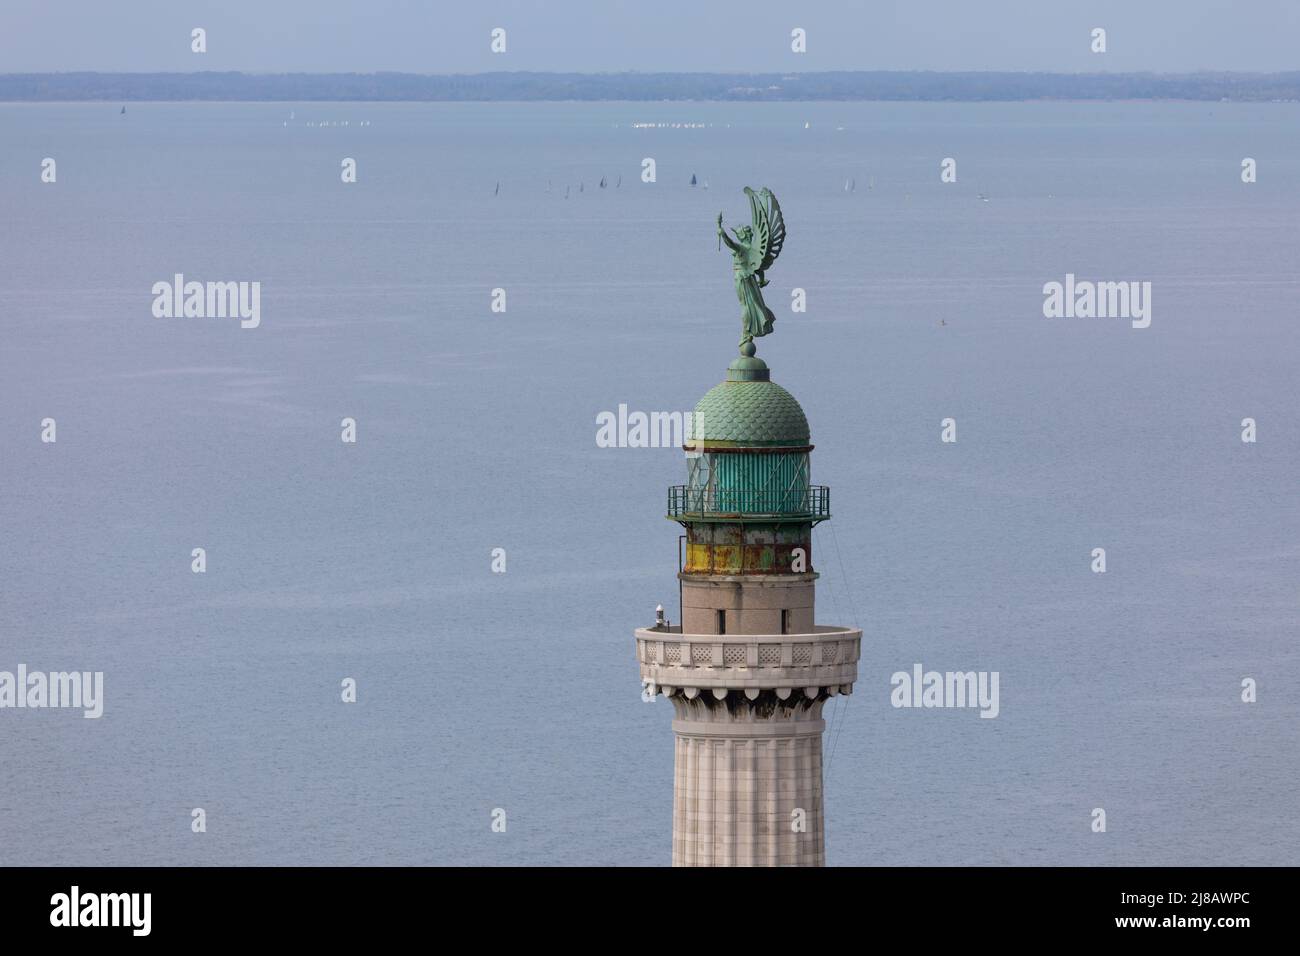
(747,348)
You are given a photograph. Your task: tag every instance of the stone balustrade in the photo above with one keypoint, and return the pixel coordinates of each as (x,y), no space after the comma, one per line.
(825,659)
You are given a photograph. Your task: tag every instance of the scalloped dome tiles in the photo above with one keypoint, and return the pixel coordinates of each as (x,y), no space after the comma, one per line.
(750,413)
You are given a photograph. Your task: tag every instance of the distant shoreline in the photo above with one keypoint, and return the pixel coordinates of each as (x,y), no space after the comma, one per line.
(309,102)
(920,86)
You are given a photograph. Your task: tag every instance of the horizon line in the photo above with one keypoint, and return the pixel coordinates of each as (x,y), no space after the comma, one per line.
(639,86)
(620,73)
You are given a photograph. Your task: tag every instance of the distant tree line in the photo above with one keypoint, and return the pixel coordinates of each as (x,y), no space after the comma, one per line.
(755,87)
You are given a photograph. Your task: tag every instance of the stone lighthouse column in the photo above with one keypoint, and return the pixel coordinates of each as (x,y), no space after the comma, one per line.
(748,670)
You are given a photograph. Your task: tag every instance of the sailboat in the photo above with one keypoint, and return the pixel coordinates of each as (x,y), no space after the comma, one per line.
(602,182)
(123,113)
(871,183)
(620,181)
(850,184)
(705,184)
(497,191)
(693,181)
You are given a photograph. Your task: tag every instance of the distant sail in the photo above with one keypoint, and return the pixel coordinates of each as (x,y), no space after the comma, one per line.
(123,113)
(602,182)
(693,180)
(620,181)
(498,189)
(850,184)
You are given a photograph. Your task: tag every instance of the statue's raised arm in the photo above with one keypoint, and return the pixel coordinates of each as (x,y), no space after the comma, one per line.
(723,237)
(753,251)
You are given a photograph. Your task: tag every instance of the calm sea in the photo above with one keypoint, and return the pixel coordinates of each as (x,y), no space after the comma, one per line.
(476,430)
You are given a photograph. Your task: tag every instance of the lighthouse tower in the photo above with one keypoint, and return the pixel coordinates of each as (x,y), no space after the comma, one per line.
(747,669)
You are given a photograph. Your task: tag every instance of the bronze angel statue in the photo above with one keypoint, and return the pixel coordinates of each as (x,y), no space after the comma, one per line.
(753,251)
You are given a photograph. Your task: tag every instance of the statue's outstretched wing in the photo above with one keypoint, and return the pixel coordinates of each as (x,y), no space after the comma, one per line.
(769,230)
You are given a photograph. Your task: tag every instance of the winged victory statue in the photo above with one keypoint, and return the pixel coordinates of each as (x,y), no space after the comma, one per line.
(753,251)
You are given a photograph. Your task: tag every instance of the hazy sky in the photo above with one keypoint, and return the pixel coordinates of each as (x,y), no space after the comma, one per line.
(427,36)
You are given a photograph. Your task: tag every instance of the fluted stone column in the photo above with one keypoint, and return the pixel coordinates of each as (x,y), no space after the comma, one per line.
(747,777)
(747,785)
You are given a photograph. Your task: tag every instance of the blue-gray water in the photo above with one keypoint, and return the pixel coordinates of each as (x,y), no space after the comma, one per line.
(477,430)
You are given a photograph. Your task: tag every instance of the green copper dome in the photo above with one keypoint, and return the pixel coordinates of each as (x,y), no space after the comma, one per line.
(749,410)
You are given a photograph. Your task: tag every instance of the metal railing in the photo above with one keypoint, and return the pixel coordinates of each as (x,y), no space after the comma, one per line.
(813,502)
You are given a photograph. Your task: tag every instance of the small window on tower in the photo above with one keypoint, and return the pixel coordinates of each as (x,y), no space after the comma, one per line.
(722,622)
(785,622)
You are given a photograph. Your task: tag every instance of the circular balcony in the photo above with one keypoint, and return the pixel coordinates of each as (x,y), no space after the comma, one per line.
(825,659)
(811,504)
